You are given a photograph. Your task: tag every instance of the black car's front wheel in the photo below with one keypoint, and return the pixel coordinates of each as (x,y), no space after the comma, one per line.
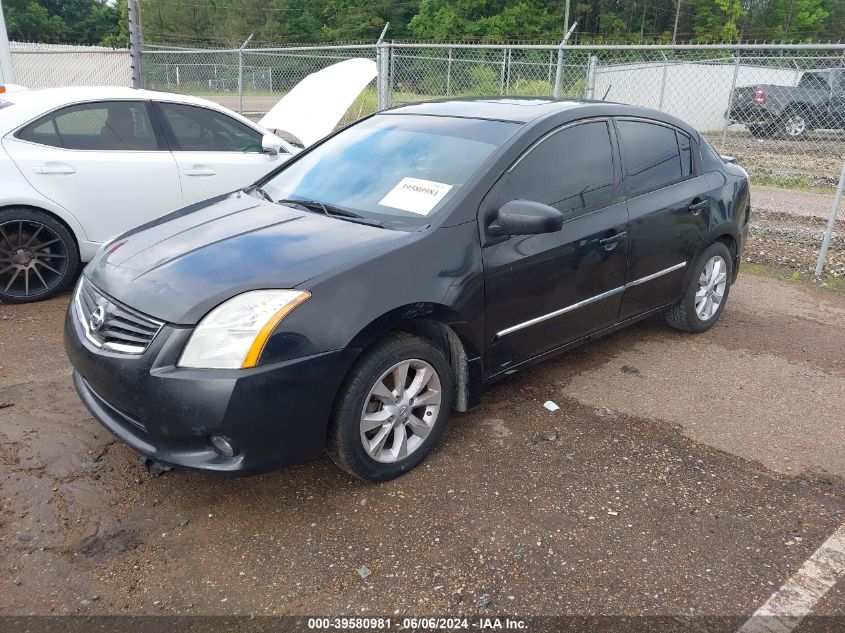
(38,255)
(391,409)
(706,293)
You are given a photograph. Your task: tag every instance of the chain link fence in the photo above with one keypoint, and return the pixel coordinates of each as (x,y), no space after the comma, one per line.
(50,65)
(249,80)
(778,109)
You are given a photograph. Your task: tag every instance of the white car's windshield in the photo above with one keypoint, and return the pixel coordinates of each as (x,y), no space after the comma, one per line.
(397,169)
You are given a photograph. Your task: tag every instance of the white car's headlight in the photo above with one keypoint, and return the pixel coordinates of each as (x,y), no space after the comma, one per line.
(233,334)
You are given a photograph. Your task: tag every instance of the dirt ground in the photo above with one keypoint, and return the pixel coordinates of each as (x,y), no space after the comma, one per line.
(787,228)
(683,475)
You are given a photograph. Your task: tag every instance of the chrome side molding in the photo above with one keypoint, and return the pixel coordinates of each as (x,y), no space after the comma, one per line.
(659,273)
(586,302)
(552,315)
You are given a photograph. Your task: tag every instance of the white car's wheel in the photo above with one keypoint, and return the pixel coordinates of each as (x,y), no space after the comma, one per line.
(38,255)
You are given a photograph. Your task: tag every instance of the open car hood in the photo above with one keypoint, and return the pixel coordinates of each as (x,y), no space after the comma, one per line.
(314,107)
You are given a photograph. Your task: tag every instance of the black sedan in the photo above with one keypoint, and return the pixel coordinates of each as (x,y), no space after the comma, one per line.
(384,277)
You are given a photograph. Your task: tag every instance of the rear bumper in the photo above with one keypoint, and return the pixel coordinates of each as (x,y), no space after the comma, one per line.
(274,415)
(750,115)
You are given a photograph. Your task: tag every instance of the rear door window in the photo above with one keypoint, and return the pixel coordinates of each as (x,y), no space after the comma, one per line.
(650,154)
(103,126)
(571,170)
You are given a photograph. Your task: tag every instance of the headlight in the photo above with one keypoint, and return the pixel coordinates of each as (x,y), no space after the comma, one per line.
(233,334)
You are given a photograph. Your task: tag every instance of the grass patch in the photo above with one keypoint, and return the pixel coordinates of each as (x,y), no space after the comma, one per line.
(794,181)
(827,281)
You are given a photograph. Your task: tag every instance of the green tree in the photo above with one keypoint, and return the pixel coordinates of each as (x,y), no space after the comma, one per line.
(30,21)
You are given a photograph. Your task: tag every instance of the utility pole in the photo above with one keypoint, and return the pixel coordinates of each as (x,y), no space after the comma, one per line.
(677,16)
(7,71)
(566,18)
(135,62)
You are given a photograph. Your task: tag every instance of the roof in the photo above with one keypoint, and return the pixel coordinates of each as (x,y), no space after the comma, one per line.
(529,109)
(518,109)
(72,94)
(33,102)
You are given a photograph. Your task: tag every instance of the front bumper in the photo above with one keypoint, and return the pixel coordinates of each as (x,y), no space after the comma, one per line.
(273,415)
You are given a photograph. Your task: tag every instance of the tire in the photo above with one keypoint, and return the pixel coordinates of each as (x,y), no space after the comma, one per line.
(348,429)
(793,125)
(761,131)
(692,313)
(38,255)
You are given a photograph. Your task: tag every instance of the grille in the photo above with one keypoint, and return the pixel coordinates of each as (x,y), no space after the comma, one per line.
(111,325)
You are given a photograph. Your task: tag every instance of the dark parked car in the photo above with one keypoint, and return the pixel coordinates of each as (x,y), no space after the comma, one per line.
(817,102)
(382,278)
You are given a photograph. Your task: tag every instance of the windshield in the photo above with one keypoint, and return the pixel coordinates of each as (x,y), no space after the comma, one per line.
(397,169)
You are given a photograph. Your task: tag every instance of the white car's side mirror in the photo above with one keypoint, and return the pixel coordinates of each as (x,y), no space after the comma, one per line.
(271,144)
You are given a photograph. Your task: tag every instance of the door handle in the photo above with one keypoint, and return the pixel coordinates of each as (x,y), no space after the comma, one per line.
(609,243)
(696,207)
(55,168)
(200,171)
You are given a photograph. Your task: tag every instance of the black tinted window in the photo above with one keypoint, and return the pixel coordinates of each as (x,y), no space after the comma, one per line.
(813,81)
(108,125)
(571,170)
(43,132)
(686,154)
(203,130)
(650,154)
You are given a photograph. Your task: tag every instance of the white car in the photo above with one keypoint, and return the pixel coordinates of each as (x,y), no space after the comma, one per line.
(80,165)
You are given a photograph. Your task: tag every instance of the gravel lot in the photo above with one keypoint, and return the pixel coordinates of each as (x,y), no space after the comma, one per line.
(683,475)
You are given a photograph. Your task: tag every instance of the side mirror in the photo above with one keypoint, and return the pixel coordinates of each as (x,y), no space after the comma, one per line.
(271,144)
(524,217)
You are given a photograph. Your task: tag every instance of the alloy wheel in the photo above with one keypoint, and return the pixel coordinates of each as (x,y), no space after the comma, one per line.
(711,288)
(795,125)
(33,258)
(400,411)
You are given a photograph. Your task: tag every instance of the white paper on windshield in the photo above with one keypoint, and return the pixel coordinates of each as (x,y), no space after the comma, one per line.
(415,195)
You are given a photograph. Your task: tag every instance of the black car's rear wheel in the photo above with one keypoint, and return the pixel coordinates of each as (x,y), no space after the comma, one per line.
(391,409)
(38,256)
(793,125)
(706,293)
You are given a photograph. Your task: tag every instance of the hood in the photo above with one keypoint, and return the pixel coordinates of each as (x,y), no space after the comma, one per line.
(180,267)
(314,107)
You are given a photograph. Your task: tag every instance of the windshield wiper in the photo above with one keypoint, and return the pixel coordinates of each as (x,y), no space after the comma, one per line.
(331,211)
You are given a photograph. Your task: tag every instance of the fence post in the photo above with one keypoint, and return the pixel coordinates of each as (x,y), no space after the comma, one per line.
(241,75)
(135,62)
(449,73)
(381,70)
(663,81)
(837,199)
(502,72)
(590,88)
(559,71)
(7,70)
(730,100)
(549,76)
(508,73)
(391,73)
